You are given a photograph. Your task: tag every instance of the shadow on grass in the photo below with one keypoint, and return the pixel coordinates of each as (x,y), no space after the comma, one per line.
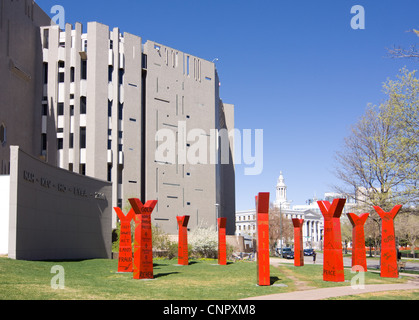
(158,275)
(274,279)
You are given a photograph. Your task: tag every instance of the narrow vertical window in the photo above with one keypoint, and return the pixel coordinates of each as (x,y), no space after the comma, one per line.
(121,76)
(82,137)
(72,74)
(109,172)
(110,73)
(45,72)
(71,141)
(82,169)
(44,142)
(60,109)
(60,143)
(46,38)
(83,71)
(83,105)
(2,134)
(109,108)
(120,111)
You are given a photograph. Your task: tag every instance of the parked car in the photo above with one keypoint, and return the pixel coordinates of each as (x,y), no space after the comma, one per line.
(308,252)
(287,253)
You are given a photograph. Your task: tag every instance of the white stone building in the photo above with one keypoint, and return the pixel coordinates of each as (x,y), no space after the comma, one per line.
(313,220)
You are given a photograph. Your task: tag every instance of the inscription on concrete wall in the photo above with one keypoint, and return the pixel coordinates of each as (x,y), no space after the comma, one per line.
(60,187)
(57,214)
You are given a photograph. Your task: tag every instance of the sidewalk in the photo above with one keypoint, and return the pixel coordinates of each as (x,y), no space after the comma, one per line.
(324,293)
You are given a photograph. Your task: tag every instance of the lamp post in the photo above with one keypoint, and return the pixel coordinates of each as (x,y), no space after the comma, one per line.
(216,215)
(280,226)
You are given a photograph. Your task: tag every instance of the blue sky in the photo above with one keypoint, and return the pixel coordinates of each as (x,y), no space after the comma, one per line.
(295,69)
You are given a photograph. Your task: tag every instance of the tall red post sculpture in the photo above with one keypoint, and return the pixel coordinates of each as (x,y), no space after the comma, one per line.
(222,244)
(359,257)
(332,256)
(262,216)
(183,258)
(143,246)
(125,246)
(298,242)
(388,242)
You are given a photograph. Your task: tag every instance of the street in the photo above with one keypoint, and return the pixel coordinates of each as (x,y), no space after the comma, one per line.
(373,264)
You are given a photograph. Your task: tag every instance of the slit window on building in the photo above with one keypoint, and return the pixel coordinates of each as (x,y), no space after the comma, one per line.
(109,108)
(110,73)
(144,61)
(83,105)
(45,72)
(120,110)
(109,172)
(60,143)
(82,137)
(121,76)
(44,141)
(61,77)
(82,169)
(71,141)
(83,70)
(60,109)
(72,74)
(2,133)
(46,38)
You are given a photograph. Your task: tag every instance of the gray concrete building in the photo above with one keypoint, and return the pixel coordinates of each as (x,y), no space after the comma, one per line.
(92,105)
(20,78)
(182,96)
(101,100)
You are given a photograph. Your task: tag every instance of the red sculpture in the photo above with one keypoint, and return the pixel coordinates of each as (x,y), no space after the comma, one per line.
(262,216)
(125,246)
(358,240)
(332,257)
(183,240)
(298,242)
(143,246)
(388,242)
(222,244)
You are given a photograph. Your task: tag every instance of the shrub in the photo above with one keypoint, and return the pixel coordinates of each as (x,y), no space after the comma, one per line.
(204,243)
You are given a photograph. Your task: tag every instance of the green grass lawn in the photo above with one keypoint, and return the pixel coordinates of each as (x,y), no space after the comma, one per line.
(201,280)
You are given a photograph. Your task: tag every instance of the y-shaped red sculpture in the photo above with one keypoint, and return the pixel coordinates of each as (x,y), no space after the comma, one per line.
(298,242)
(125,246)
(358,240)
(222,245)
(388,242)
(183,258)
(143,246)
(262,216)
(332,256)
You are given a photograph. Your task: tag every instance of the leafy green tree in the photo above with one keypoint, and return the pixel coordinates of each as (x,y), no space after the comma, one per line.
(379,162)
